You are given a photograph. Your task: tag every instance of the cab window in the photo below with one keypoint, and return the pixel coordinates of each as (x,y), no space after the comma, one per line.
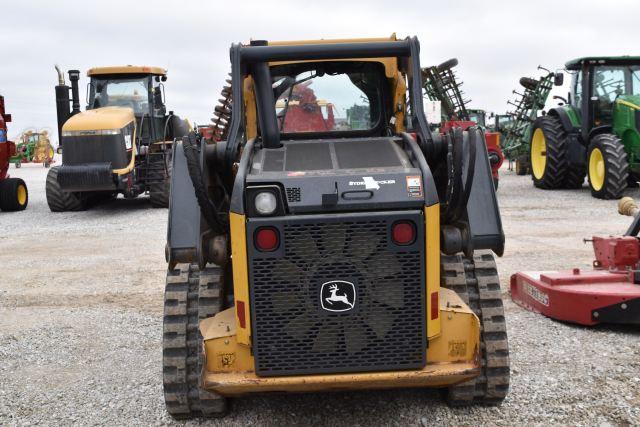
(576,99)
(328,97)
(121,92)
(608,84)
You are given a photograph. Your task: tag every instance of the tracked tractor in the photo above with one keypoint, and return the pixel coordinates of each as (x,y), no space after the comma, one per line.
(121,144)
(596,133)
(13,191)
(331,259)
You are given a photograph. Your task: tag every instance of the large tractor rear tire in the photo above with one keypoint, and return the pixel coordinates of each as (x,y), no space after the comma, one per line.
(14,195)
(476,282)
(59,200)
(548,153)
(608,167)
(160,178)
(190,295)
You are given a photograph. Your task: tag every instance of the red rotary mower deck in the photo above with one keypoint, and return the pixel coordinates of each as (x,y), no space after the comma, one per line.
(610,293)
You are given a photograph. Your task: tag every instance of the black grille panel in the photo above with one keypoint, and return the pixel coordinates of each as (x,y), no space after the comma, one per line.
(385,330)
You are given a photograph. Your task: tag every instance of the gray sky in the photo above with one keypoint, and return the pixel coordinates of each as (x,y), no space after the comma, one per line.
(496,42)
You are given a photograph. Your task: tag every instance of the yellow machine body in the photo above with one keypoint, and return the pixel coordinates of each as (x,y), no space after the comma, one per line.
(100,120)
(453,357)
(453,330)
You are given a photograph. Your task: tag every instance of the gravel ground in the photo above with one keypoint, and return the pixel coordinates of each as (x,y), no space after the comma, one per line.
(81,314)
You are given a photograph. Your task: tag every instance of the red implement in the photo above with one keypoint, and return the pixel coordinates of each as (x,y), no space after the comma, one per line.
(610,293)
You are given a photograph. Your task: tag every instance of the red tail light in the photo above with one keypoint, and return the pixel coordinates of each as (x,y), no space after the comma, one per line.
(403,233)
(267,239)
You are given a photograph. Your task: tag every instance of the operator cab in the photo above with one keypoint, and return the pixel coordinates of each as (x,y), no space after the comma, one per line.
(605,80)
(138,88)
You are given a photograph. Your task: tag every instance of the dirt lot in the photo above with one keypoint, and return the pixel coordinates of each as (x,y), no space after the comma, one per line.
(81,313)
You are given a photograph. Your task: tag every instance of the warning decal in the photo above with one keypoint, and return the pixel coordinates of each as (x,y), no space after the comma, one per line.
(536,294)
(414,186)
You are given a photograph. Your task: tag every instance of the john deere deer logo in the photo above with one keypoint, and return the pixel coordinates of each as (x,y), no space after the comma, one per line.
(337,295)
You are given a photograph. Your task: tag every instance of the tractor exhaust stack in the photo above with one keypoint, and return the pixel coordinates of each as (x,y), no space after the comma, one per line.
(62,103)
(74,76)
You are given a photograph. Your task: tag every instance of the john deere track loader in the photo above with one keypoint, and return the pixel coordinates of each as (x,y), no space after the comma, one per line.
(596,132)
(120,144)
(354,257)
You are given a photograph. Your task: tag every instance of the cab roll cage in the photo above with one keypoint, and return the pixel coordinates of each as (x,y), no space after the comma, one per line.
(254,60)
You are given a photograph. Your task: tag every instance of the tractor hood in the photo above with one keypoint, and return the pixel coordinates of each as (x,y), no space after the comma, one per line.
(339,175)
(106,118)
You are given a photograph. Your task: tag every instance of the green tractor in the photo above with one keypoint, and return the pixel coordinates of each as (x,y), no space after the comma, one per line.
(596,131)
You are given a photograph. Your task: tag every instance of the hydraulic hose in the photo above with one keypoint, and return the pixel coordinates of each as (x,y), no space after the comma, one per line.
(209,210)
(461,160)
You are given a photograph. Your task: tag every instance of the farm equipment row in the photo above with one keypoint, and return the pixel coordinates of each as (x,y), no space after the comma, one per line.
(319,241)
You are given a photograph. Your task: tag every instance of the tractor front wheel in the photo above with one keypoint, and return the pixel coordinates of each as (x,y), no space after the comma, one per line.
(608,168)
(548,153)
(14,195)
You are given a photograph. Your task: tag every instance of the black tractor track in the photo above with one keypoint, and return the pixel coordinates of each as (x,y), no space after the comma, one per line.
(476,282)
(58,200)
(159,179)
(191,295)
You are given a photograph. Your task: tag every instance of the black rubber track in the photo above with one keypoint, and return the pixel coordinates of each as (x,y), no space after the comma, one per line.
(616,166)
(190,296)
(9,195)
(160,177)
(476,282)
(58,200)
(555,170)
